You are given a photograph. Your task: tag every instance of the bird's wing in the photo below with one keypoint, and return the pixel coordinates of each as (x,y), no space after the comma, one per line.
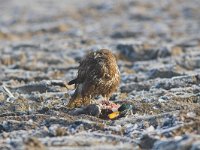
(83,71)
(89,70)
(72,81)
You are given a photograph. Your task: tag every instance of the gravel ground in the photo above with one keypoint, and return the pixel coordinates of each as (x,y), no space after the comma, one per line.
(157,44)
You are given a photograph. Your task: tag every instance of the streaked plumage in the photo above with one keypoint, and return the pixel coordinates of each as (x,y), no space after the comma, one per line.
(98,74)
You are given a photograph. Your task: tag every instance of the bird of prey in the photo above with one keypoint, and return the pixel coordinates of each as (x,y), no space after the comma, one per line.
(98,74)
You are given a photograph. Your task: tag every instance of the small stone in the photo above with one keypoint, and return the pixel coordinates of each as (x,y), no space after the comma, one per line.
(93,110)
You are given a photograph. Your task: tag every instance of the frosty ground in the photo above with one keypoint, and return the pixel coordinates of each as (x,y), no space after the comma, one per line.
(157,44)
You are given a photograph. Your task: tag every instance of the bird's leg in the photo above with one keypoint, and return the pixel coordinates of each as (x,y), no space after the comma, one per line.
(105,100)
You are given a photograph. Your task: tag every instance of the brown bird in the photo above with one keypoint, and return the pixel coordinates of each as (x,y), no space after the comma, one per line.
(98,74)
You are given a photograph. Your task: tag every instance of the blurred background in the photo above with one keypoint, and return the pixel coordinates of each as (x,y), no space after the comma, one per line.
(164,20)
(64,29)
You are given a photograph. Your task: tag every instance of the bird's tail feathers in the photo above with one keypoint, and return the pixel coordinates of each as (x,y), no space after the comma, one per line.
(72,82)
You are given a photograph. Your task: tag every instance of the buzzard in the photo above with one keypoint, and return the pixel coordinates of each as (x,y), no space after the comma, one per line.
(98,74)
